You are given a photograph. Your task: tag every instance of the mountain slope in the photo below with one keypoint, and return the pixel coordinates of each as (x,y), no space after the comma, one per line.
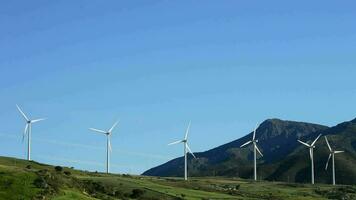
(296,166)
(277,139)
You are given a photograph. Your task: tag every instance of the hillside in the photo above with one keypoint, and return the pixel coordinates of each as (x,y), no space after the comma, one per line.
(284,158)
(296,165)
(277,139)
(25,180)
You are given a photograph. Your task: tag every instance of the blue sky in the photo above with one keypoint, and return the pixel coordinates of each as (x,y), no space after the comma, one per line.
(155,65)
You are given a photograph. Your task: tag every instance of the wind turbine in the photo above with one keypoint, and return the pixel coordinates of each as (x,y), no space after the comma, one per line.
(255,148)
(28,130)
(108,143)
(332,154)
(186,150)
(311,154)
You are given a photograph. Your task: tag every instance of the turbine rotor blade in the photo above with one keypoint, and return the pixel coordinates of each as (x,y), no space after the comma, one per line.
(245,144)
(113,126)
(25,132)
(338,152)
(22,113)
(37,120)
(254,132)
(311,154)
(176,142)
(258,150)
(327,163)
(306,144)
(97,130)
(315,140)
(187,131)
(190,151)
(327,142)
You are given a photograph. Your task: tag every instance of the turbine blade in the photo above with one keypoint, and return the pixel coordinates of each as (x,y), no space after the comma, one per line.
(113,126)
(97,130)
(315,140)
(327,163)
(176,142)
(190,151)
(254,132)
(338,151)
(258,150)
(327,142)
(187,131)
(311,154)
(110,149)
(306,144)
(37,120)
(22,113)
(245,144)
(25,132)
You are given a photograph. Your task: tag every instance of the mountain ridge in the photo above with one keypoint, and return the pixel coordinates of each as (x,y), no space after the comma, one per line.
(277,141)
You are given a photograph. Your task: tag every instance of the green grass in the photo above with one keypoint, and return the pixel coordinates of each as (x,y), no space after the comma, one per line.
(19,181)
(69,195)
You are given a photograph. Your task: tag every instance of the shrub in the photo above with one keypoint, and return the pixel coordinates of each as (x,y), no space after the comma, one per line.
(237,187)
(58,168)
(136,193)
(40,182)
(68,173)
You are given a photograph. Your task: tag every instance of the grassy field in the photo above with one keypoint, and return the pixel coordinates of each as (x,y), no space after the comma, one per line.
(25,180)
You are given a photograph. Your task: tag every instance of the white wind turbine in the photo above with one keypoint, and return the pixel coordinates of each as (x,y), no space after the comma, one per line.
(28,130)
(255,148)
(108,143)
(311,154)
(186,150)
(332,154)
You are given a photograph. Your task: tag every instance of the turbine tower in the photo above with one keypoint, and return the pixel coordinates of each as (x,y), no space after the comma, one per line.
(28,131)
(311,154)
(108,143)
(186,150)
(255,148)
(332,154)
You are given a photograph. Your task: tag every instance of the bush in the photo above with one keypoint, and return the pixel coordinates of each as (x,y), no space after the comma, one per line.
(136,193)
(58,168)
(68,173)
(40,182)
(237,187)
(28,167)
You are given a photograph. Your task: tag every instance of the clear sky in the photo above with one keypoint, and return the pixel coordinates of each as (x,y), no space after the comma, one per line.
(155,65)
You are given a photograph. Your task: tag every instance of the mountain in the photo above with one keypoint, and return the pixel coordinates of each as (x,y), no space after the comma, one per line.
(284,158)
(296,166)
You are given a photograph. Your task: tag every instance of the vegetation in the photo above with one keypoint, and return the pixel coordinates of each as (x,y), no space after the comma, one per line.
(18,181)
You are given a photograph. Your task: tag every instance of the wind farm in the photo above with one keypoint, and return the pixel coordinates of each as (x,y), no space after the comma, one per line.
(177,100)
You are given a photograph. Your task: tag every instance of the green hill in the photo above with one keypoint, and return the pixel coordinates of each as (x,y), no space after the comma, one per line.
(26,180)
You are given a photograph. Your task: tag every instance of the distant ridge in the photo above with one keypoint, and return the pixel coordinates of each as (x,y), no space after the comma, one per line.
(284,159)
